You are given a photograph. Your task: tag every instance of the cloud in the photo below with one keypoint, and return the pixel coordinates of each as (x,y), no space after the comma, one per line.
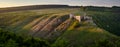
(9,4)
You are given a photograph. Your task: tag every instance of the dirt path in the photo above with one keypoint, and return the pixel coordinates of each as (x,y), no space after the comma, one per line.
(41,24)
(59,30)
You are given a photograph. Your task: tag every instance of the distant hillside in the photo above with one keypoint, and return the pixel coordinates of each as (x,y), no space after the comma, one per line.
(103,9)
(33,7)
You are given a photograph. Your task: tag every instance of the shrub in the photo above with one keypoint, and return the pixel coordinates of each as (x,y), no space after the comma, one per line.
(9,39)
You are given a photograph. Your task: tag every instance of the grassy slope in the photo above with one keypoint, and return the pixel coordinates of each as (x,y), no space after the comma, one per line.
(107,20)
(85,36)
(16,21)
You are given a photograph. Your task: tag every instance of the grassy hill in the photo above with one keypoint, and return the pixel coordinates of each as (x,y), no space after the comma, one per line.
(108,20)
(34,7)
(55,26)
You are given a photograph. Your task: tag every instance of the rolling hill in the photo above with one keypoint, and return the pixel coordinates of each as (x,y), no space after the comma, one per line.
(34,7)
(55,26)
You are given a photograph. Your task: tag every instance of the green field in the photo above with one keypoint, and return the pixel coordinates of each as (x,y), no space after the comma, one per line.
(107,20)
(54,26)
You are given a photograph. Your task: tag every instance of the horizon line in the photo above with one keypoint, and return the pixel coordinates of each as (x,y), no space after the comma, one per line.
(56,4)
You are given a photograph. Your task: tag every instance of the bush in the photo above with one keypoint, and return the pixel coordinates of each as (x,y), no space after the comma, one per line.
(9,39)
(107,43)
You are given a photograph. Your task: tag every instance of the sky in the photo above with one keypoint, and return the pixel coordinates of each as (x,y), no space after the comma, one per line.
(13,3)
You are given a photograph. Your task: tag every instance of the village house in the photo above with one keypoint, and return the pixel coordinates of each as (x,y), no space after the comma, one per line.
(80,18)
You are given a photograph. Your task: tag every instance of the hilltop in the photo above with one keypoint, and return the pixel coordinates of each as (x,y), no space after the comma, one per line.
(34,7)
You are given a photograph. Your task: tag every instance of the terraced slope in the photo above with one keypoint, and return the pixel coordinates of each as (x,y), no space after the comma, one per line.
(37,23)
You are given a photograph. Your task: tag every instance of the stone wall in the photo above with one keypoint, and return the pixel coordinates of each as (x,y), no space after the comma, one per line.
(78,18)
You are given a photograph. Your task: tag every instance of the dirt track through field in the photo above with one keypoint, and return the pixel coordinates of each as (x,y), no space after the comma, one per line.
(58,30)
(41,24)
